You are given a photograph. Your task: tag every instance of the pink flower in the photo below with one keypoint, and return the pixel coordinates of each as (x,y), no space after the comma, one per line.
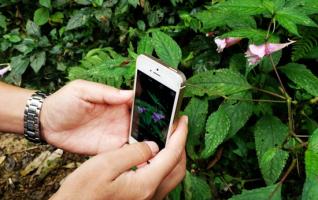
(4,70)
(255,53)
(224,43)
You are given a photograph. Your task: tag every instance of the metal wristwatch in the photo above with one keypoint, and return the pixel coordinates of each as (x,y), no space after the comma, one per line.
(32,126)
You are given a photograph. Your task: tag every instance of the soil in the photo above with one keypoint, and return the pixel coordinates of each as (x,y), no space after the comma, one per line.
(16,153)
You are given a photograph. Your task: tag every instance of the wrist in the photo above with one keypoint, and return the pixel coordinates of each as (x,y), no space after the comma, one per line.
(12,108)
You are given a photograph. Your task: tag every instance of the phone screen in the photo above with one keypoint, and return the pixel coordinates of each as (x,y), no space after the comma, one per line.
(153,107)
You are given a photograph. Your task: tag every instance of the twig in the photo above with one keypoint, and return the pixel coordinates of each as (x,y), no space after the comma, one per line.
(254,100)
(269,92)
(216,159)
(277,75)
(290,168)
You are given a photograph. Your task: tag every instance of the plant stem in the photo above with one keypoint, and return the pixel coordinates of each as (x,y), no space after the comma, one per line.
(277,75)
(269,92)
(255,100)
(290,168)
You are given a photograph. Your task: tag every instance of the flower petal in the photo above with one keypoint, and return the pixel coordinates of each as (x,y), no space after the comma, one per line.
(258,50)
(272,47)
(4,70)
(220,43)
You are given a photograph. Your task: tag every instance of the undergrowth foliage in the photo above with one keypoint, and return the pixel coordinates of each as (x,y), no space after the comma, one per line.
(253,128)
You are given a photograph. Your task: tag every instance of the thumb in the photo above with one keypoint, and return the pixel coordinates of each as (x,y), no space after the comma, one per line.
(100,93)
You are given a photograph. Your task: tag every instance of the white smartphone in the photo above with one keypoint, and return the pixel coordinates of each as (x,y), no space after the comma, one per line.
(158,95)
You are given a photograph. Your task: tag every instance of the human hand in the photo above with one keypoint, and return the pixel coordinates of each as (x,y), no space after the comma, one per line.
(109,176)
(86,117)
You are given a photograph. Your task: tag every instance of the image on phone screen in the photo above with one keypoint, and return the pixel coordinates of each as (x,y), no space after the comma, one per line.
(153,107)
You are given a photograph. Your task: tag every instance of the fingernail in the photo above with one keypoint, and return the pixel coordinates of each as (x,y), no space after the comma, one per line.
(186,119)
(153,146)
(125,93)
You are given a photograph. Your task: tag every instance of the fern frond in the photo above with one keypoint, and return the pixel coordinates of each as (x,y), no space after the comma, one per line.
(305,45)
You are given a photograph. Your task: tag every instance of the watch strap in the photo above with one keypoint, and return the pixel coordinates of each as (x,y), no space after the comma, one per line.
(32,126)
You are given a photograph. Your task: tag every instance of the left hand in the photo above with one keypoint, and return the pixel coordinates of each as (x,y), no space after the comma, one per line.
(87,118)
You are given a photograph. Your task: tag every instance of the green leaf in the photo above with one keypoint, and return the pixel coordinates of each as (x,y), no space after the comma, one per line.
(197,111)
(196,188)
(3,22)
(32,29)
(134,3)
(18,64)
(273,5)
(145,46)
(220,82)
(247,7)
(255,35)
(98,2)
(272,192)
(238,111)
(77,20)
(217,128)
(41,16)
(302,77)
(289,18)
(57,17)
(270,133)
(174,2)
(12,38)
(166,48)
(45,3)
(37,61)
(220,17)
(310,190)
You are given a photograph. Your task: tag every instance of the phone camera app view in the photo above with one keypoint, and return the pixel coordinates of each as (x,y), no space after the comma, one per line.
(152,110)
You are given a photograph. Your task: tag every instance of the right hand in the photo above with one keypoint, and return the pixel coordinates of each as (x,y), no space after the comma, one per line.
(109,175)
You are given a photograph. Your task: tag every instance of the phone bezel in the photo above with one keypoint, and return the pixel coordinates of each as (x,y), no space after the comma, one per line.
(165,75)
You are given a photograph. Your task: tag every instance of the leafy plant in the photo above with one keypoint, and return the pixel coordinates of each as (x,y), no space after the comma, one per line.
(249,122)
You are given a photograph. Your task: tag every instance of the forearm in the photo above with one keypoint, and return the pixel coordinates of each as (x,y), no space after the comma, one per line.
(12,103)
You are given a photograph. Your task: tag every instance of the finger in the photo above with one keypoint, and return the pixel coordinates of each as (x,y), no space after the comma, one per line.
(100,93)
(131,155)
(173,179)
(167,159)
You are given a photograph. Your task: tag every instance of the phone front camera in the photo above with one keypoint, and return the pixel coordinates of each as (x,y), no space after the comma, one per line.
(157,69)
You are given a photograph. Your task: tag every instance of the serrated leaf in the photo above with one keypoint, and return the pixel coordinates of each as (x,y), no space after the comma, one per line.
(79,19)
(45,3)
(217,128)
(197,111)
(310,190)
(145,45)
(37,61)
(41,16)
(272,192)
(196,188)
(302,77)
(166,48)
(32,29)
(247,7)
(238,111)
(220,82)
(269,133)
(289,18)
(219,17)
(18,64)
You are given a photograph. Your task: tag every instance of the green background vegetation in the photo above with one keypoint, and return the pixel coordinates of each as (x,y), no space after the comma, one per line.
(253,129)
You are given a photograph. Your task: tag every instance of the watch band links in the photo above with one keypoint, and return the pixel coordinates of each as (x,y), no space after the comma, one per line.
(32,126)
